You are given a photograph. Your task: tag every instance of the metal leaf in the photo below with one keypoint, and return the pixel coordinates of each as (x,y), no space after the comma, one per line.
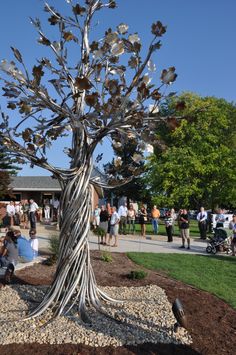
(43,40)
(24,107)
(26,134)
(78,10)
(137,158)
(94,46)
(82,83)
(111,37)
(158,29)
(91,100)
(133,62)
(118,162)
(11,92)
(68,36)
(112,4)
(54,19)
(134,38)
(117,48)
(122,28)
(37,73)
(11,105)
(17,54)
(151,66)
(168,76)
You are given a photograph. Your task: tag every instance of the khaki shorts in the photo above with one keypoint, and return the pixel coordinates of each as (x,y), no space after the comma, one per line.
(114,230)
(184,233)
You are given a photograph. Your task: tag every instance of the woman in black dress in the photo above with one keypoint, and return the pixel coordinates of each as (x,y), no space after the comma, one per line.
(143,220)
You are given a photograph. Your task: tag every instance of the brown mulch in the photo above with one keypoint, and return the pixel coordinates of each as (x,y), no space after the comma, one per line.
(211,322)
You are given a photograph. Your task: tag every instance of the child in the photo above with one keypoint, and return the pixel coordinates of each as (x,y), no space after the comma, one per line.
(34,242)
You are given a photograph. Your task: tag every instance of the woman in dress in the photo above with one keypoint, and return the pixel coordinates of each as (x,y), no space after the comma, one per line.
(143,220)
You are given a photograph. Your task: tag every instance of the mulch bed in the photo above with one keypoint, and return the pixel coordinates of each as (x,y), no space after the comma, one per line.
(212,323)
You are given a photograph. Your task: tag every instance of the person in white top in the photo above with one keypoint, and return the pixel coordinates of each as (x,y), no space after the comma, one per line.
(115,219)
(32,210)
(47,211)
(202,223)
(123,212)
(131,218)
(34,242)
(11,212)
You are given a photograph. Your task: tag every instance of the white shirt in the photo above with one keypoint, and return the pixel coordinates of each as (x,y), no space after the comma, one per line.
(56,204)
(33,207)
(202,216)
(123,211)
(114,218)
(11,210)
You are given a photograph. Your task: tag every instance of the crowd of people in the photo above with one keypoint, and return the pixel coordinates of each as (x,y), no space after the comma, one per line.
(124,222)
(28,212)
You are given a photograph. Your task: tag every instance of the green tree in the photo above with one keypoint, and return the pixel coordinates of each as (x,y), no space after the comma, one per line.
(8,168)
(195,162)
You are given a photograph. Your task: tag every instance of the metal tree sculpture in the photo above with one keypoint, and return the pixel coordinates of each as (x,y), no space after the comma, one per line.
(92,99)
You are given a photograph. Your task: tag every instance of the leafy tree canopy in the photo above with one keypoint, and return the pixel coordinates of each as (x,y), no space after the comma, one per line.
(8,168)
(194,164)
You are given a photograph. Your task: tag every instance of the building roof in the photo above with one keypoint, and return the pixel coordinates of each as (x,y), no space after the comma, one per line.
(46,183)
(34,183)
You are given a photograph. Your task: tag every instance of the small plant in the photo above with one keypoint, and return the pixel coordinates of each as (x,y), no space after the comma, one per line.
(106,257)
(137,274)
(100,232)
(54,249)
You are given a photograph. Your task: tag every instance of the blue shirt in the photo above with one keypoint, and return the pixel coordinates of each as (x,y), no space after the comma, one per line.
(24,249)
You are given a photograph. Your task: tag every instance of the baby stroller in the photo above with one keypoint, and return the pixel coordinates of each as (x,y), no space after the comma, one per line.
(221,241)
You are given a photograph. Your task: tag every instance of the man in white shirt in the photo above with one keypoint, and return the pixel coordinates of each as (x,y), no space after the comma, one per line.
(32,210)
(123,213)
(202,223)
(11,212)
(115,219)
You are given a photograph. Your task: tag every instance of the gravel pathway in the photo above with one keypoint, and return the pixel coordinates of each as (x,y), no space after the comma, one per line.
(146,316)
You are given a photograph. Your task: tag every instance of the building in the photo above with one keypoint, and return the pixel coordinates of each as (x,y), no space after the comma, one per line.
(44,189)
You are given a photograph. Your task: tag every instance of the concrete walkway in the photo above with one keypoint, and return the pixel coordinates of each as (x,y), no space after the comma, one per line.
(136,243)
(154,244)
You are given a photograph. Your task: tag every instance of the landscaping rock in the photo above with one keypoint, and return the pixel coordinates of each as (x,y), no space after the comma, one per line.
(144,316)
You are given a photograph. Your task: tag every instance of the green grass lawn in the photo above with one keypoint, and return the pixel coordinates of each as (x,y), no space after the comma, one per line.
(194,231)
(215,274)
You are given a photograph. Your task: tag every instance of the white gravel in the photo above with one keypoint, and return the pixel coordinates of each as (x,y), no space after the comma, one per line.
(146,316)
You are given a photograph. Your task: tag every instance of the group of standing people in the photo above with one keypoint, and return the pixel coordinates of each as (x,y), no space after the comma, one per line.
(27,213)
(114,222)
(23,212)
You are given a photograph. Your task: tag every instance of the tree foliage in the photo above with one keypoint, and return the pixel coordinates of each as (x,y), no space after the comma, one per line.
(195,165)
(8,168)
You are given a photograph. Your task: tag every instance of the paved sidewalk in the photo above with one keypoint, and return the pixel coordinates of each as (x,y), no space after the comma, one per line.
(154,244)
(136,243)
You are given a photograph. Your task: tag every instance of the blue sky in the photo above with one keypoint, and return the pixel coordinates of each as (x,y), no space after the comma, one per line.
(200,42)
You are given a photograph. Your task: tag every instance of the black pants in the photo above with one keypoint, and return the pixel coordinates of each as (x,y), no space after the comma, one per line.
(32,219)
(169,231)
(202,229)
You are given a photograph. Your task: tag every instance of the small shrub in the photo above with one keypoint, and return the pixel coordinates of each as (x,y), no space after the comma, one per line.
(100,232)
(54,246)
(106,257)
(137,274)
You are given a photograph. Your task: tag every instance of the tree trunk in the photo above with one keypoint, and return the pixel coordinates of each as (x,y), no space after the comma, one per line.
(74,276)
